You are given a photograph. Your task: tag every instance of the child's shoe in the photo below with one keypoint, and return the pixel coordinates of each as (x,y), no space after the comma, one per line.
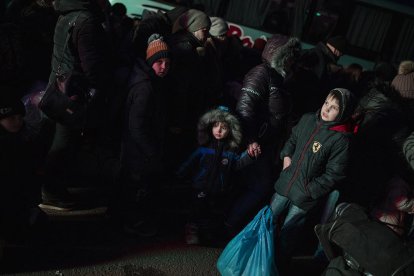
(191,234)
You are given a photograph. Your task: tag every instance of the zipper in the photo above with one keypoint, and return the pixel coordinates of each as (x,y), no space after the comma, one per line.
(302,156)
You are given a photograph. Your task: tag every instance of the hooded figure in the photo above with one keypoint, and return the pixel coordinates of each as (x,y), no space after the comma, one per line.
(211,166)
(215,158)
(319,153)
(315,160)
(263,104)
(263,109)
(219,115)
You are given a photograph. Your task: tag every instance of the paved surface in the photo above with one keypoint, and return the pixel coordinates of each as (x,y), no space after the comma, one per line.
(83,242)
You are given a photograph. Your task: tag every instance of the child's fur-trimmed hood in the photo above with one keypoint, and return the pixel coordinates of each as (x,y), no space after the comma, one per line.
(207,121)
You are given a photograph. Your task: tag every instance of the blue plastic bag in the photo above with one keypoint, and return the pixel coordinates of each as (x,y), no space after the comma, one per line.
(251,252)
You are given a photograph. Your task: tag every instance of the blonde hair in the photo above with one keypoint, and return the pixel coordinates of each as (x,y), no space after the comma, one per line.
(405,67)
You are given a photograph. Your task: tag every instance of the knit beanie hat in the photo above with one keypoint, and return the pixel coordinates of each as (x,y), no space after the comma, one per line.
(404,84)
(10,104)
(193,20)
(406,66)
(218,27)
(339,42)
(157,48)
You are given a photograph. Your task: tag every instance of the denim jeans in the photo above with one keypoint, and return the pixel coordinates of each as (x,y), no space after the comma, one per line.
(290,229)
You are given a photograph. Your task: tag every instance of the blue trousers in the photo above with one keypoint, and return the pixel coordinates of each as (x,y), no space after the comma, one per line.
(291,227)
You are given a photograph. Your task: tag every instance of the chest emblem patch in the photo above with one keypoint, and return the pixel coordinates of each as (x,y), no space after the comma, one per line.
(316,146)
(225,161)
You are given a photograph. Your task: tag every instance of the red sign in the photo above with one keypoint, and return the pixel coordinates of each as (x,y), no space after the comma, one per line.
(238,31)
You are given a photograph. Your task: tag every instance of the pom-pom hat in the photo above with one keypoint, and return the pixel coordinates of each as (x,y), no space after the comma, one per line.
(157,48)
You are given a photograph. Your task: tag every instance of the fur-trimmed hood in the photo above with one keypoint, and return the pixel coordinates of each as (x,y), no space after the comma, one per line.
(206,122)
(279,49)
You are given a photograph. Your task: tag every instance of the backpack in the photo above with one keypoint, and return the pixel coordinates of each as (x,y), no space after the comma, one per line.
(68,94)
(367,245)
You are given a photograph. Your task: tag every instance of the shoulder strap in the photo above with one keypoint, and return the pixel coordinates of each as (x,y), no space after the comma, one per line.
(68,36)
(81,17)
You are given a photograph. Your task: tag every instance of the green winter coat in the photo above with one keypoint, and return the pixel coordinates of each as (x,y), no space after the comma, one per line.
(80,43)
(320,155)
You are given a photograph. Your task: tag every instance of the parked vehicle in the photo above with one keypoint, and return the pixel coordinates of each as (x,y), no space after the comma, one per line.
(135,9)
(377,30)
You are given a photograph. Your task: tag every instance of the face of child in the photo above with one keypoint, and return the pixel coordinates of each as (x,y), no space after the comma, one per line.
(161,67)
(330,109)
(220,130)
(13,123)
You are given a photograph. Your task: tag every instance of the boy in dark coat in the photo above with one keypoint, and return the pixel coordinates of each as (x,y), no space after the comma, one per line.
(211,164)
(315,159)
(143,136)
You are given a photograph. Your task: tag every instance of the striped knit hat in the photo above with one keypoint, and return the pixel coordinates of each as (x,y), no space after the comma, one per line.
(157,48)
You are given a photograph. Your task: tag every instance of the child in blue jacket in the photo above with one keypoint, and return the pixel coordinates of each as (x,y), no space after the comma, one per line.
(211,164)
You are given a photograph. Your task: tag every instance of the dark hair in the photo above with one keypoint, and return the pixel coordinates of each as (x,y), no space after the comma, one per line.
(119,9)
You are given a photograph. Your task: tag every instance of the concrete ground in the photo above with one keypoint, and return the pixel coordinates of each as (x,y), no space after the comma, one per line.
(84,242)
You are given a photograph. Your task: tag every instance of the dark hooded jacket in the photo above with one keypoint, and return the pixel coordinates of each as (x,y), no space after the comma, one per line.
(212,163)
(320,157)
(264,105)
(145,120)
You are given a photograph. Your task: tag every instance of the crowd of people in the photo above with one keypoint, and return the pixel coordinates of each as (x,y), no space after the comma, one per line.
(173,95)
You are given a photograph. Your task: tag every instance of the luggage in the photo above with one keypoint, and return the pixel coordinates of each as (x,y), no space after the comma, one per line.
(367,245)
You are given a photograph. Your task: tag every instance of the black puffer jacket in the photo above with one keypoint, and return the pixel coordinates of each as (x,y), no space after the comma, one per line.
(264,104)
